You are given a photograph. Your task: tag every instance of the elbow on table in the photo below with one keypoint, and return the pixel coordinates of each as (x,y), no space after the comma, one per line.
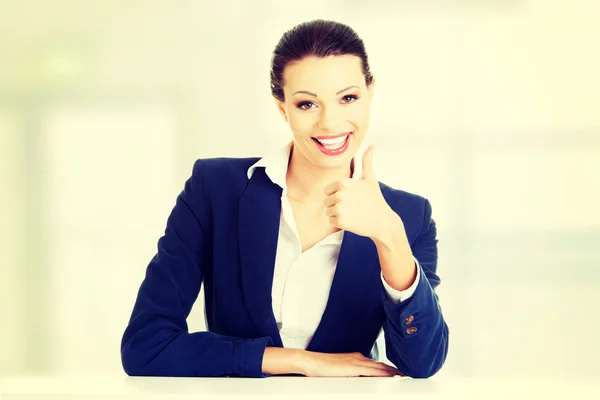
(147,360)
(132,365)
(425,373)
(137,360)
(428,369)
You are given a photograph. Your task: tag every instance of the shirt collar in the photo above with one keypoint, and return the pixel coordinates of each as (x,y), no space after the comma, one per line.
(276,165)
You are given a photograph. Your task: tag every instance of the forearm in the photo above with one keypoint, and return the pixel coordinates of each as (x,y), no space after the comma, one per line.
(395,255)
(416,334)
(281,361)
(152,351)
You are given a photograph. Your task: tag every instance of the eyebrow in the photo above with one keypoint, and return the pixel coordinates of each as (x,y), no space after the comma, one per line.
(315,95)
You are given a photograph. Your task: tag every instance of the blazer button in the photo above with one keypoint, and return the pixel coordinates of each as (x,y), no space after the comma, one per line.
(411,330)
(409,319)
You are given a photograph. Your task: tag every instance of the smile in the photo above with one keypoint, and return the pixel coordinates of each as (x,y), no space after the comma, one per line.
(333,145)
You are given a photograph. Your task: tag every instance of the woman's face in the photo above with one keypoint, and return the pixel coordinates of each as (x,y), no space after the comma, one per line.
(327,105)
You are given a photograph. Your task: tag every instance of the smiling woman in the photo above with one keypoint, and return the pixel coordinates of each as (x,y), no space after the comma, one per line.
(323,86)
(304,254)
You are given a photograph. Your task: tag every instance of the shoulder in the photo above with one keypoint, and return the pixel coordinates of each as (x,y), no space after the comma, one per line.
(414,209)
(401,198)
(218,170)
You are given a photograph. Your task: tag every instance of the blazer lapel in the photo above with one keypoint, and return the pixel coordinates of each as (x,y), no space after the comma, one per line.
(354,272)
(258,227)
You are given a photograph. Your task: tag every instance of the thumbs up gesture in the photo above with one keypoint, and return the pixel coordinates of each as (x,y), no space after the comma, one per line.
(368,172)
(358,205)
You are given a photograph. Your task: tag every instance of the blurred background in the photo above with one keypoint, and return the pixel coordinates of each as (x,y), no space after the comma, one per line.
(489,108)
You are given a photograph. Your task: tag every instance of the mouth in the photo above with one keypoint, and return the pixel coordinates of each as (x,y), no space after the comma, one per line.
(333,145)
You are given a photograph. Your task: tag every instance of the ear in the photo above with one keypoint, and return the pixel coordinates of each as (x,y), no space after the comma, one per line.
(281,107)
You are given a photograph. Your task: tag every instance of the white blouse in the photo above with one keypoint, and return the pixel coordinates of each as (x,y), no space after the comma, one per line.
(302,281)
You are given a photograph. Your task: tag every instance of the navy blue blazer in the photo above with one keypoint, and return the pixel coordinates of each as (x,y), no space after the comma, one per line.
(223,232)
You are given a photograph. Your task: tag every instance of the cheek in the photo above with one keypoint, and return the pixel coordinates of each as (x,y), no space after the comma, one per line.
(302,124)
(358,114)
(361,115)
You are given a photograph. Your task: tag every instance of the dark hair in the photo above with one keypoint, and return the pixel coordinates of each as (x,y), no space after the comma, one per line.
(319,38)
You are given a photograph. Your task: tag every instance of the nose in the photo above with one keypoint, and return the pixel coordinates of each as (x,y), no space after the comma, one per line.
(331,119)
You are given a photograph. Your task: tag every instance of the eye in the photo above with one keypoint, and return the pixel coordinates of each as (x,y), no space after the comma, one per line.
(349,98)
(305,105)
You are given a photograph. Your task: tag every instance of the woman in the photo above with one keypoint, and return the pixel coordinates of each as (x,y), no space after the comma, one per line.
(304,255)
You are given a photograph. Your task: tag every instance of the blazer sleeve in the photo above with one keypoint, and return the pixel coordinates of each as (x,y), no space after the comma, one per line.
(416,335)
(156,341)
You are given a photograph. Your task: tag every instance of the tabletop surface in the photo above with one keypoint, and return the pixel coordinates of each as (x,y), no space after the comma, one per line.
(123,387)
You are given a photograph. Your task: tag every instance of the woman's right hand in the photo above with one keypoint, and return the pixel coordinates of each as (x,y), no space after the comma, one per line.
(343,365)
(279,361)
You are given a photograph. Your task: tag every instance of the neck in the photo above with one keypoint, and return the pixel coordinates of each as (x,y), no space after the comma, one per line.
(307,181)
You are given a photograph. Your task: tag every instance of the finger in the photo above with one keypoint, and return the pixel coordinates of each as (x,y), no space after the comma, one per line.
(335,221)
(331,200)
(380,365)
(338,185)
(376,364)
(370,371)
(368,171)
(332,188)
(331,211)
(393,370)
(360,357)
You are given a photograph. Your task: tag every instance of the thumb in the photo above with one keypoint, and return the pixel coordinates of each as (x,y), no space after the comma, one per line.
(368,172)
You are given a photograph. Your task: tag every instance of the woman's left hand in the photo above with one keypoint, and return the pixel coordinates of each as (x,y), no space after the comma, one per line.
(358,205)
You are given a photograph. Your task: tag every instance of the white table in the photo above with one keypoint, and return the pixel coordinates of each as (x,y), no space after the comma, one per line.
(123,387)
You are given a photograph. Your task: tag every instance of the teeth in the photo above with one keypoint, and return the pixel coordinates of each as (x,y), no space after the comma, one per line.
(332,144)
(336,141)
